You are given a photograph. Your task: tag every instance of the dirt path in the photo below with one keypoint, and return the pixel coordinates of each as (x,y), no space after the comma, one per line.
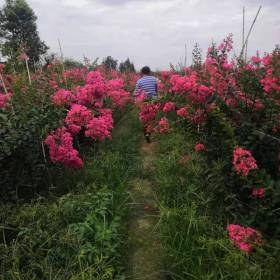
(144,249)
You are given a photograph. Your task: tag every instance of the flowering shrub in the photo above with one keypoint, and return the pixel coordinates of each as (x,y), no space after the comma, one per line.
(100,128)
(60,110)
(88,115)
(78,116)
(4,99)
(61,148)
(243,161)
(245,238)
(228,104)
(62,97)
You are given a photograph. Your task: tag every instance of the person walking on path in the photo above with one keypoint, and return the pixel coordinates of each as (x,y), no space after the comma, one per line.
(148,85)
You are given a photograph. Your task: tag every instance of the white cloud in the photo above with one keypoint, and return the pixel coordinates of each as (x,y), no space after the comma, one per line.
(151,32)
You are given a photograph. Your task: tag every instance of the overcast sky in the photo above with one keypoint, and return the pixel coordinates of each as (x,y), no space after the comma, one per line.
(152,32)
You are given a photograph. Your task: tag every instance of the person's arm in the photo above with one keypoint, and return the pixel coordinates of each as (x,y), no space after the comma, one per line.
(157,81)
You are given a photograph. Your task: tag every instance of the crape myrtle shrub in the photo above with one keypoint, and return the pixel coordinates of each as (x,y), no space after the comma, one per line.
(55,100)
(232,109)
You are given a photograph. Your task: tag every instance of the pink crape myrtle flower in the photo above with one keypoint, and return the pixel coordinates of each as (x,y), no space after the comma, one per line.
(119,97)
(91,94)
(115,85)
(256,60)
(165,74)
(258,193)
(79,116)
(4,99)
(243,161)
(60,144)
(62,97)
(99,128)
(199,147)
(168,107)
(164,126)
(182,112)
(245,238)
(76,74)
(93,77)
(148,112)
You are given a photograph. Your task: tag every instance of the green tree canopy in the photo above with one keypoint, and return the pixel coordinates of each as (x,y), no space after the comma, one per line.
(18,31)
(127,66)
(110,63)
(197,56)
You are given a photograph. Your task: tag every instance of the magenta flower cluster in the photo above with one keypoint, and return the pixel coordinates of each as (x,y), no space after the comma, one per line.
(243,161)
(245,238)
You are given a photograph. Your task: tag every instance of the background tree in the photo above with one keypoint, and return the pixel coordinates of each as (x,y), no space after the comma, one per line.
(18,31)
(127,66)
(110,63)
(196,56)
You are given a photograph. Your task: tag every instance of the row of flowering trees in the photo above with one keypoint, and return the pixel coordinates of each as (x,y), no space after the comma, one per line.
(232,109)
(88,113)
(51,113)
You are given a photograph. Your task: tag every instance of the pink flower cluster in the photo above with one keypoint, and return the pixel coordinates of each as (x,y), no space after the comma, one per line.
(76,75)
(148,112)
(61,148)
(183,84)
(245,238)
(168,107)
(243,161)
(91,95)
(258,193)
(4,99)
(79,116)
(190,88)
(100,128)
(199,147)
(115,85)
(62,97)
(270,82)
(163,126)
(182,112)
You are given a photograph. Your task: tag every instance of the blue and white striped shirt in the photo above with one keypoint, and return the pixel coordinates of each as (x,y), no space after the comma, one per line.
(148,84)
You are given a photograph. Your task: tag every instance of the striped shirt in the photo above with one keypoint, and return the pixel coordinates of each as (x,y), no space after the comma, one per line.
(148,84)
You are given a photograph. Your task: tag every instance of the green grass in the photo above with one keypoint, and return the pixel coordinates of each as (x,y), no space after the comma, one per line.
(80,234)
(194,240)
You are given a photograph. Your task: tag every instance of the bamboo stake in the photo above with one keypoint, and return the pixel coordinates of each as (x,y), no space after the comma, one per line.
(246,50)
(3,84)
(186,55)
(28,72)
(249,33)
(62,60)
(243,29)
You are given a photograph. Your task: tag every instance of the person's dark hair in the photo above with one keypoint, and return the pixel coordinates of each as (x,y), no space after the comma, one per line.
(146,70)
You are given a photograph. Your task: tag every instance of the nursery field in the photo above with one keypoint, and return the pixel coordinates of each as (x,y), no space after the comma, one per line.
(83,196)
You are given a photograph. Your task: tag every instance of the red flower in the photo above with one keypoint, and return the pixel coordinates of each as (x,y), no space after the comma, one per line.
(243,161)
(169,106)
(199,147)
(244,237)
(258,193)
